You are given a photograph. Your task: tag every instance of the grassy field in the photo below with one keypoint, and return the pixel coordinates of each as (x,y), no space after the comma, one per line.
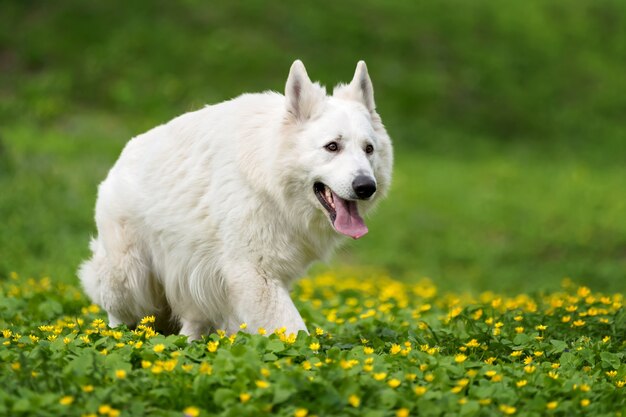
(508,127)
(378,348)
(508,131)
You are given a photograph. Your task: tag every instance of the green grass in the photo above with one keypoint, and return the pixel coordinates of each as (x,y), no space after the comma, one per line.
(507,123)
(377,348)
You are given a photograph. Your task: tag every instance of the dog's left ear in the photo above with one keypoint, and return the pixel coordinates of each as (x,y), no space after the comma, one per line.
(360,88)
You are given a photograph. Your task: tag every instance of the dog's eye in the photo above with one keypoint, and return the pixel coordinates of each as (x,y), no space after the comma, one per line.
(369,149)
(332,147)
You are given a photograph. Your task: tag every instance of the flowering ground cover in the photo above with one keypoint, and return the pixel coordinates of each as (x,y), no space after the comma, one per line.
(377,347)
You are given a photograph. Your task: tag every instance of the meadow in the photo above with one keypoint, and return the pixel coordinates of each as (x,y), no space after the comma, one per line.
(378,347)
(491,280)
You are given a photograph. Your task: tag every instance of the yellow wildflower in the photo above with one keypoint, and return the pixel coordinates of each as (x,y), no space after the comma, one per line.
(379,376)
(402,412)
(507,409)
(394,383)
(354,401)
(262,384)
(244,397)
(191,412)
(301,412)
(67,400)
(460,358)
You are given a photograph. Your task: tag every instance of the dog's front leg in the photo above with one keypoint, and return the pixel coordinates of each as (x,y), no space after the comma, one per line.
(261,302)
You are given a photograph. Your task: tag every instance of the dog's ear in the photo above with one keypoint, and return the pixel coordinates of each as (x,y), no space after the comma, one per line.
(360,88)
(303,96)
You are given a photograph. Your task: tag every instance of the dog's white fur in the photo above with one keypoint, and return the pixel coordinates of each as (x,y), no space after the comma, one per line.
(208,219)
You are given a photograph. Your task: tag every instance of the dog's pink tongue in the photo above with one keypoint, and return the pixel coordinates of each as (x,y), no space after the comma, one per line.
(348,220)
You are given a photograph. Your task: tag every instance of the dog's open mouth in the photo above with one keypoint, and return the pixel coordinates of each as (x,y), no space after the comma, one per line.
(343,214)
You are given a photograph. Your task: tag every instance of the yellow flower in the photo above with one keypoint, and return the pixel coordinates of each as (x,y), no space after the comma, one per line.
(319,331)
(205,368)
(395,349)
(529,369)
(243,326)
(460,358)
(191,412)
(262,384)
(67,400)
(583,292)
(611,374)
(301,412)
(212,346)
(87,388)
(578,323)
(368,350)
(104,409)
(394,383)
(584,402)
(314,346)
(429,377)
(354,401)
(472,343)
(402,412)
(159,348)
(507,409)
(420,390)
(519,329)
(552,405)
(120,374)
(379,376)
(262,331)
(244,397)
(541,327)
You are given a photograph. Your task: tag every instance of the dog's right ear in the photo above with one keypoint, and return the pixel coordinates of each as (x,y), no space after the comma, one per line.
(303,97)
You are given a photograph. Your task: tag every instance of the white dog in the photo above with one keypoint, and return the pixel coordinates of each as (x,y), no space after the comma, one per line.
(206,221)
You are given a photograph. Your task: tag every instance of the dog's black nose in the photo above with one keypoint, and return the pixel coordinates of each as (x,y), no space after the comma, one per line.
(364,186)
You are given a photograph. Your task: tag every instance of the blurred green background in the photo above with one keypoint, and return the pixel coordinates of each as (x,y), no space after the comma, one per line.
(508,120)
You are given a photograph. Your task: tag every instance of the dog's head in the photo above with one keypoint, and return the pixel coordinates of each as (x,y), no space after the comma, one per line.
(344,152)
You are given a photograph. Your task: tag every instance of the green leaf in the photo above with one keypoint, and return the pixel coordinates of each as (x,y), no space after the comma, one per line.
(224,396)
(521,339)
(275,345)
(558,346)
(610,360)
